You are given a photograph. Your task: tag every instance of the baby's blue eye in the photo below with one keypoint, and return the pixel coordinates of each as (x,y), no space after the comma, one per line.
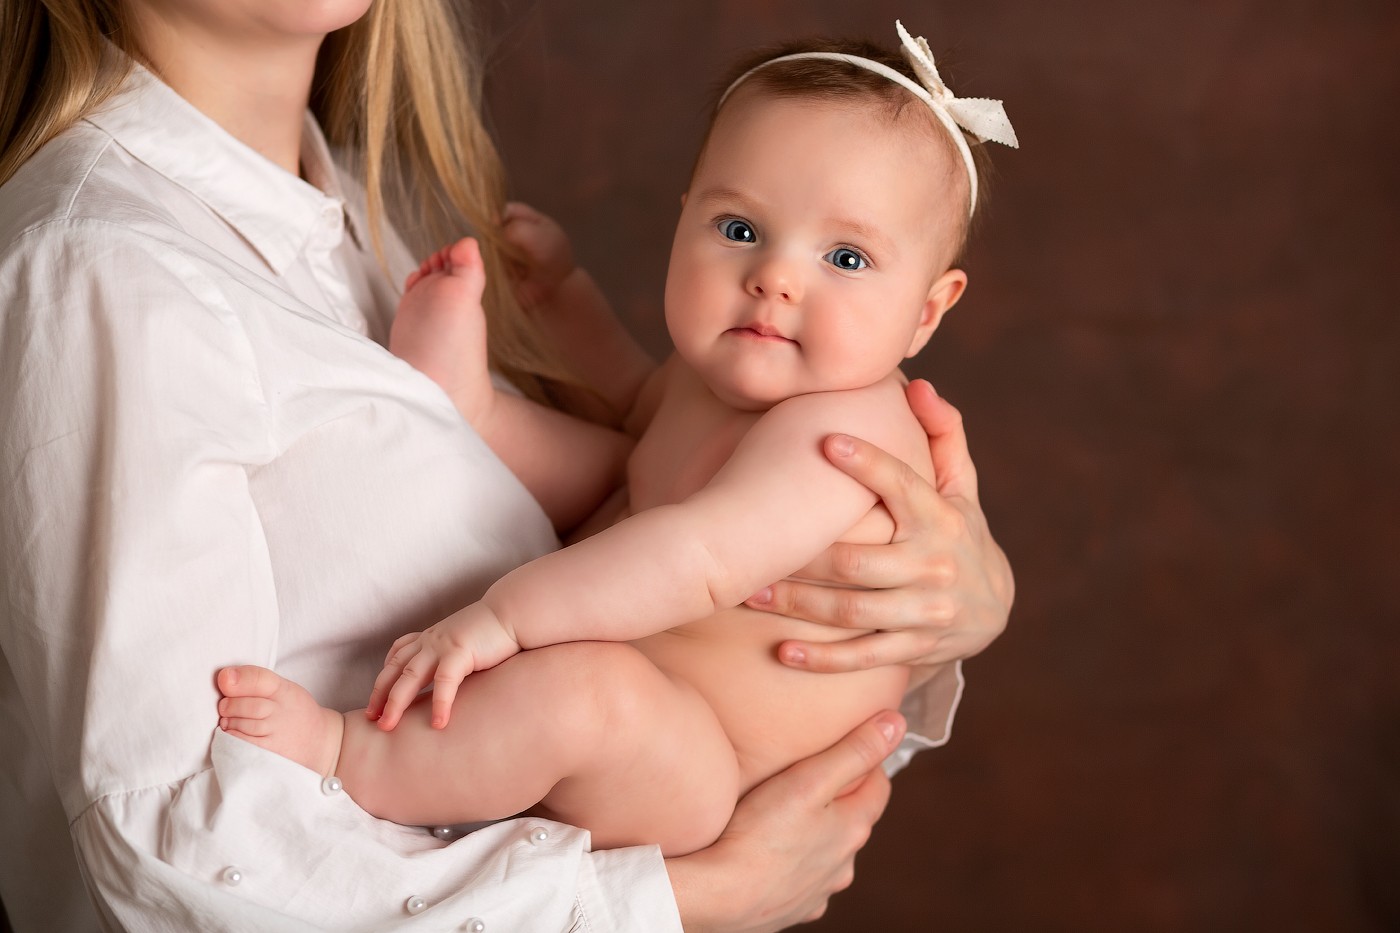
(845,258)
(737,230)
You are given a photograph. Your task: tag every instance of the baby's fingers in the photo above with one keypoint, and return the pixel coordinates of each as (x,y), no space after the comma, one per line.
(393,666)
(416,666)
(417,673)
(450,673)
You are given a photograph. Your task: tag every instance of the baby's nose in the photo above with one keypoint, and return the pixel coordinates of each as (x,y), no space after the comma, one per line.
(775,279)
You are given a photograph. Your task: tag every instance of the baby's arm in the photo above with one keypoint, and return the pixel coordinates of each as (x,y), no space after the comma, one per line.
(772,508)
(569,465)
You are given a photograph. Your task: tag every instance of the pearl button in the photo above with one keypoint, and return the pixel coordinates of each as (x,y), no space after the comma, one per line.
(232,876)
(331,785)
(538,835)
(475,925)
(415,905)
(443,832)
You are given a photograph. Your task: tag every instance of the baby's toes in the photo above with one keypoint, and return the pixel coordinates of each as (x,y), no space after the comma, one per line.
(246,707)
(247,680)
(465,255)
(251,728)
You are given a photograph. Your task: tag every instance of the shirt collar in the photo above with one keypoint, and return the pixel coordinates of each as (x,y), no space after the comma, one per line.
(274,210)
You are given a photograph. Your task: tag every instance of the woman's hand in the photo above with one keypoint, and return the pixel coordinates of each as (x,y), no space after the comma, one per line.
(545,255)
(792,841)
(572,310)
(940,591)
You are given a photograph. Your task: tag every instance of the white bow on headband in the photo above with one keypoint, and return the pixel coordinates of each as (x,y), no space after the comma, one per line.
(985,119)
(982,117)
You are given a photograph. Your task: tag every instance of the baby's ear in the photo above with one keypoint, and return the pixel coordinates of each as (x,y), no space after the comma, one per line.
(943,295)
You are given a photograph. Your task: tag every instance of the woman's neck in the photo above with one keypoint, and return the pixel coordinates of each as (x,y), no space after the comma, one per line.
(255,90)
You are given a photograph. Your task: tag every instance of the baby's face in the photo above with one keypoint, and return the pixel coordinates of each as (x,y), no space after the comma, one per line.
(808,246)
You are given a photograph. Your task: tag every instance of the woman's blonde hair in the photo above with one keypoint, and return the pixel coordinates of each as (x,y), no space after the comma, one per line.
(398,91)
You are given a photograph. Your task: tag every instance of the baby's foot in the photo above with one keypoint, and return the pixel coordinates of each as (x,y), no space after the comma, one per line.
(440,327)
(280,716)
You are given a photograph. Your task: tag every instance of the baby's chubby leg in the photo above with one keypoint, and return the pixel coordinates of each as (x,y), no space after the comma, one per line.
(440,327)
(588,733)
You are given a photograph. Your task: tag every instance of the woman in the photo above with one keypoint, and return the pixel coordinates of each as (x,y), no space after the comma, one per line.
(209,458)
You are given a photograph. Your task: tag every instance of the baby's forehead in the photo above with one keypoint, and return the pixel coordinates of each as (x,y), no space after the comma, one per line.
(857,122)
(857,159)
(901,115)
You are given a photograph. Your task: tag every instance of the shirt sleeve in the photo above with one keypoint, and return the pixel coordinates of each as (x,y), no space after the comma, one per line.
(134,566)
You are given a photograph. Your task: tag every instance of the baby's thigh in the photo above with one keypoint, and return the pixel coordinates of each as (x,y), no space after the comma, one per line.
(654,764)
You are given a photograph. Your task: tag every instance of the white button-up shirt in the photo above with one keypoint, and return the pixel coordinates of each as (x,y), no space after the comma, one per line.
(207,457)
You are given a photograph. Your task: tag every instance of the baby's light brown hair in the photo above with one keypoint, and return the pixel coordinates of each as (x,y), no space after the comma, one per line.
(824,79)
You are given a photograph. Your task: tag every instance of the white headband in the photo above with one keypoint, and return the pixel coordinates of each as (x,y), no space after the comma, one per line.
(985,119)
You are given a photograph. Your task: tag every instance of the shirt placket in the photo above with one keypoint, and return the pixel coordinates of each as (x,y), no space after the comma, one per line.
(325,241)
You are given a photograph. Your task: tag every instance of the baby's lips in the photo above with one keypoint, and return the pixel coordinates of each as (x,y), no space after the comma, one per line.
(760,329)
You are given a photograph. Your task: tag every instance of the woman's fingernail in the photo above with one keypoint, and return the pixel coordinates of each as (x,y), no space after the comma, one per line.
(794,655)
(763,597)
(842,445)
(888,726)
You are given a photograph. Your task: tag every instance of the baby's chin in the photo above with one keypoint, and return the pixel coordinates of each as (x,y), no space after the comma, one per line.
(755,392)
(759,395)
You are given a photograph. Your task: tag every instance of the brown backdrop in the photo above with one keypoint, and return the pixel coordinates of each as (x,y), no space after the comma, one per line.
(1177,361)
(1178,365)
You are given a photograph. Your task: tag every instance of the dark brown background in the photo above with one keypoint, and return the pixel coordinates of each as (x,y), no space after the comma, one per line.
(1177,362)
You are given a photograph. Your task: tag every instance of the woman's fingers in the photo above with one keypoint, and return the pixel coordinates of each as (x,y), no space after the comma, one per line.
(898,608)
(867,651)
(902,490)
(878,566)
(868,565)
(913,502)
(841,769)
(850,769)
(792,840)
(952,463)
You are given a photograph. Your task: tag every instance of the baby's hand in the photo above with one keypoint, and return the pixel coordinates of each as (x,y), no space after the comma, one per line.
(546,256)
(471,639)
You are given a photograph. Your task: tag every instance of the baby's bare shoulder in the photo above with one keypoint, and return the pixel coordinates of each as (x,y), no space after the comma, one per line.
(877,413)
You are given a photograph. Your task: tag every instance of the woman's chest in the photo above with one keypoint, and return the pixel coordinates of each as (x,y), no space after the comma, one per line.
(382,510)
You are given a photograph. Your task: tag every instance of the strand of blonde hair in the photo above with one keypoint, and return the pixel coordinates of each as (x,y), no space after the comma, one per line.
(55,71)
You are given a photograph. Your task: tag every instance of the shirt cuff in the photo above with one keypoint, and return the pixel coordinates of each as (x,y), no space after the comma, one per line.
(626,890)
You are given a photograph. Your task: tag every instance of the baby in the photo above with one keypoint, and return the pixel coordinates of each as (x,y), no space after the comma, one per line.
(619,684)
